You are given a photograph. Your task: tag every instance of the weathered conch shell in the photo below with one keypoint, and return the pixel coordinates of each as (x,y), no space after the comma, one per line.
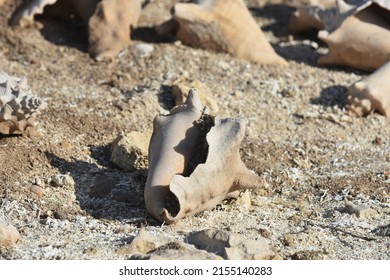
(110,27)
(357,32)
(371,94)
(18,106)
(362,41)
(194,162)
(222,26)
(109,22)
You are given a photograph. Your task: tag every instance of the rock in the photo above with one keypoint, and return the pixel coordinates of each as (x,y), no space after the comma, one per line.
(382,231)
(62,180)
(244,199)
(130,151)
(309,255)
(290,239)
(181,88)
(361,211)
(143,243)
(9,235)
(37,190)
(60,215)
(143,49)
(232,246)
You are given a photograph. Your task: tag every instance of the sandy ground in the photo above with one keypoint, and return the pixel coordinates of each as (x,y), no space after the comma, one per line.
(313,156)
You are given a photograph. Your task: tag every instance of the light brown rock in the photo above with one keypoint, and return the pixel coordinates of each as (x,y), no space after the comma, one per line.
(143,243)
(181,88)
(221,26)
(361,211)
(9,235)
(130,151)
(37,190)
(232,246)
(371,94)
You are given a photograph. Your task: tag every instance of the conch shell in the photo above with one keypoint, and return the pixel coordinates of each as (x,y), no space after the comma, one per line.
(371,94)
(357,32)
(109,22)
(194,162)
(18,106)
(221,26)
(110,27)
(362,41)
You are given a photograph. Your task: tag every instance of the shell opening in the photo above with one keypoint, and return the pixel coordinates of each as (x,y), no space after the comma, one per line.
(203,124)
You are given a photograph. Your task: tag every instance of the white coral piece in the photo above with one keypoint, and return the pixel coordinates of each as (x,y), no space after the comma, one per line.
(18,106)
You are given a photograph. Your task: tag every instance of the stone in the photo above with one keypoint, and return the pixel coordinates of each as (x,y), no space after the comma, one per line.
(143,243)
(9,235)
(232,246)
(37,190)
(181,87)
(62,180)
(130,151)
(361,211)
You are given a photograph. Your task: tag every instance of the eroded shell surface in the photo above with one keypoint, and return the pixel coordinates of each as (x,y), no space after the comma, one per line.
(109,22)
(18,106)
(194,162)
(110,27)
(222,26)
(357,32)
(371,93)
(362,41)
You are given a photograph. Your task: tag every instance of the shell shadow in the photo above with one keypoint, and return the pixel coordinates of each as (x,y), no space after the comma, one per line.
(332,96)
(65,32)
(106,193)
(281,14)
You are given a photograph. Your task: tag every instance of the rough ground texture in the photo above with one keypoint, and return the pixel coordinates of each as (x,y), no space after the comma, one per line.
(313,156)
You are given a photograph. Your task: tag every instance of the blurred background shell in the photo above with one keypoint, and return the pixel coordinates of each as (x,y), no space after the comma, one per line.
(18,106)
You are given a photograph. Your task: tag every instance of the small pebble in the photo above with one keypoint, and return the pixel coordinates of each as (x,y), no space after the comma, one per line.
(62,180)
(361,211)
(37,190)
(9,235)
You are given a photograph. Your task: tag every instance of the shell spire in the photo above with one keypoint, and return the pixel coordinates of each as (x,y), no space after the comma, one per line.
(18,106)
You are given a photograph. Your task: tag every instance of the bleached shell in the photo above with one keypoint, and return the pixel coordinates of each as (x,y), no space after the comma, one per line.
(110,27)
(371,93)
(222,26)
(328,14)
(173,190)
(26,15)
(362,41)
(18,106)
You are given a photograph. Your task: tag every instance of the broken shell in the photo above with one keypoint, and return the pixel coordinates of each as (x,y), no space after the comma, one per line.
(25,15)
(109,22)
(194,162)
(310,16)
(110,27)
(362,41)
(222,26)
(357,32)
(371,93)
(18,106)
